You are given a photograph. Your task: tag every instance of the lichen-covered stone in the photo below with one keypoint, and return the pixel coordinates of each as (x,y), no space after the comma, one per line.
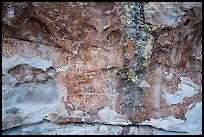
(139,40)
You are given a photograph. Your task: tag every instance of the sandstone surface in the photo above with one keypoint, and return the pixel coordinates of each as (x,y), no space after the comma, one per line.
(80,61)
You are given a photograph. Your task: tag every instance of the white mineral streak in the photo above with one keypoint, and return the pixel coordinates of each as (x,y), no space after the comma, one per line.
(110,116)
(10,12)
(186,89)
(166,73)
(144,84)
(164,123)
(156,89)
(37,62)
(168,76)
(189,5)
(63,68)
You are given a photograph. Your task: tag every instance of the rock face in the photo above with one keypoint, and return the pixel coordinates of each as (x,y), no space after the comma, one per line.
(74,49)
(67,62)
(86,129)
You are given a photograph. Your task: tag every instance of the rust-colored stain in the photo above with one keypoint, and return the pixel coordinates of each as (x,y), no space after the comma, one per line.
(130,50)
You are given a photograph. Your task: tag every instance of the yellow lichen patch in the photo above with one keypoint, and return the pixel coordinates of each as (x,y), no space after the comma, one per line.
(145,63)
(147,27)
(128,8)
(155,28)
(132,76)
(148,49)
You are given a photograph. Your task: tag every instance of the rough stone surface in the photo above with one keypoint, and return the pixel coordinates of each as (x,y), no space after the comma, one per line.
(162,13)
(191,124)
(45,128)
(66,62)
(175,55)
(79,51)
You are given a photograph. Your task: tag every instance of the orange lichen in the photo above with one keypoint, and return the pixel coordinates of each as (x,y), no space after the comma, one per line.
(130,51)
(129,48)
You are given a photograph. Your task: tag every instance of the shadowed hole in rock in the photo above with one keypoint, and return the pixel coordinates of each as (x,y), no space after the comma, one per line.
(191,9)
(187,21)
(18,84)
(19,69)
(114,37)
(50,70)
(63,32)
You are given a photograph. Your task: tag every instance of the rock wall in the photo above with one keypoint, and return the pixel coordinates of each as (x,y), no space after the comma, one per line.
(116,66)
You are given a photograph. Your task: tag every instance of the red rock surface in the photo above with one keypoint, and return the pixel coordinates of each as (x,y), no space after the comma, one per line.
(80,48)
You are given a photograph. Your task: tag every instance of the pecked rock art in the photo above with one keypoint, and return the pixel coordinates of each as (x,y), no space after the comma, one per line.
(102,62)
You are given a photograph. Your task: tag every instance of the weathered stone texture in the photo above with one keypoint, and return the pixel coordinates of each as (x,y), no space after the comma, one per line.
(175,73)
(64,58)
(175,56)
(82,46)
